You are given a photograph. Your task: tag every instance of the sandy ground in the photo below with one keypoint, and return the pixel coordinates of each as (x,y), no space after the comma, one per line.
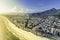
(6,27)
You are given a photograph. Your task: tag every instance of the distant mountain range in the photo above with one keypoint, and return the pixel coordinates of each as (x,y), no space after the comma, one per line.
(52,11)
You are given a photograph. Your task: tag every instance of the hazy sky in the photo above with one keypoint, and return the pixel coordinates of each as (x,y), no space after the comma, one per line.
(28,5)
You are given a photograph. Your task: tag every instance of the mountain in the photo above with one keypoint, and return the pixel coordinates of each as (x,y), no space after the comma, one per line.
(47,12)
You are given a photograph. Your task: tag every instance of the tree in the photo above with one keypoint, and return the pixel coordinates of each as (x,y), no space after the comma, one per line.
(26,23)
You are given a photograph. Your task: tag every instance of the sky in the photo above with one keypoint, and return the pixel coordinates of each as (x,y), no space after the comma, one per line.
(25,6)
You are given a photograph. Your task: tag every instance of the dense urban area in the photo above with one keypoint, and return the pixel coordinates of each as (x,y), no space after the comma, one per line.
(46,26)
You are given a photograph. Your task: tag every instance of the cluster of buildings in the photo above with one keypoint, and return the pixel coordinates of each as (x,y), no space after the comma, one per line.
(45,25)
(49,25)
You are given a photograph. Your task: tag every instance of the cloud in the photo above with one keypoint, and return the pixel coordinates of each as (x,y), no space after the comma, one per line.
(18,9)
(22,10)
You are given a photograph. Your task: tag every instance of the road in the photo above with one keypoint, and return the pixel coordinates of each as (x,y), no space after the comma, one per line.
(8,31)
